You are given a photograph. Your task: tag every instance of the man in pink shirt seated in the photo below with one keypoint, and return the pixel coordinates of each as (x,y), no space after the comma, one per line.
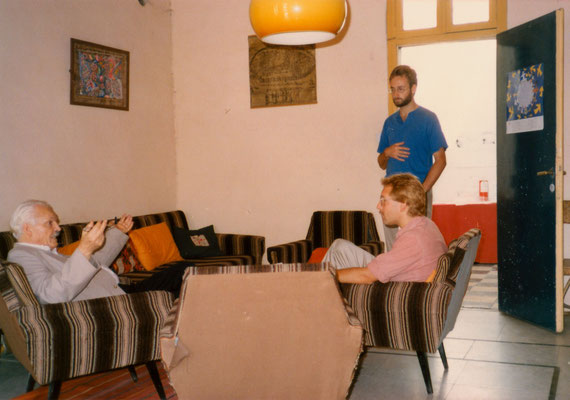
(417,247)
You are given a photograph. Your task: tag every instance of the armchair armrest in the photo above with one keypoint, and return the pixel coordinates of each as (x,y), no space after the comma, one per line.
(401,315)
(235,245)
(373,247)
(292,252)
(94,335)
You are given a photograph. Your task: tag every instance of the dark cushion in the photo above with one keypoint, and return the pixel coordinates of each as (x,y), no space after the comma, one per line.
(197,243)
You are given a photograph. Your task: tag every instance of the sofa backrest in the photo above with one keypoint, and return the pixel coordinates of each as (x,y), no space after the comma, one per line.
(358,227)
(269,332)
(448,263)
(468,243)
(7,241)
(15,288)
(72,232)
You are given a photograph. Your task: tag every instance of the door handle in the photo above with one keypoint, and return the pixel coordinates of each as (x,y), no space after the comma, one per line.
(543,173)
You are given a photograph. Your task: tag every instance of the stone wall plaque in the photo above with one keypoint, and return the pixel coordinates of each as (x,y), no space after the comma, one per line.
(281,75)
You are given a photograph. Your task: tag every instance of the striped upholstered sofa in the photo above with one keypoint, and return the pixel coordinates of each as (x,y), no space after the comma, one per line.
(238,249)
(416,315)
(57,342)
(357,226)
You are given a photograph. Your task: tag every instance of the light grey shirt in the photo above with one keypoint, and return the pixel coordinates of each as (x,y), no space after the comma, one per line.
(56,278)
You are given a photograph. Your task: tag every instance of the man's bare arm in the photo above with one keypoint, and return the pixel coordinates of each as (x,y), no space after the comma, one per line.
(355,275)
(436,169)
(382,160)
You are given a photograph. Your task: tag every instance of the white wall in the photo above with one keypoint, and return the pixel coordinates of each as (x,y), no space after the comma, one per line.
(88,162)
(264,171)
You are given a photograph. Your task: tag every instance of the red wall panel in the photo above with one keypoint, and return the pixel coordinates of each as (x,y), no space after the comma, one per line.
(454,220)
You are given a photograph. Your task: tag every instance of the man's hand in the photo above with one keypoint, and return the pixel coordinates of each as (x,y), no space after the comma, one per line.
(125,224)
(92,238)
(397,151)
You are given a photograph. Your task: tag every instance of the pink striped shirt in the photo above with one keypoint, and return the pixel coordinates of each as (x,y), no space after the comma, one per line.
(414,254)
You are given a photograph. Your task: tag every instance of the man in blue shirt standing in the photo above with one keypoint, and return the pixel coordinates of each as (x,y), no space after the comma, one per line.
(411,140)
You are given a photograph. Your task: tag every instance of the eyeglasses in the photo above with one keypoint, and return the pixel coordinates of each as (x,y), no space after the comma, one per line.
(399,89)
(383,201)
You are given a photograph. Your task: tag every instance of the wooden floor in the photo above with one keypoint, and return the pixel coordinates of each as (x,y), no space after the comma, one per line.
(115,384)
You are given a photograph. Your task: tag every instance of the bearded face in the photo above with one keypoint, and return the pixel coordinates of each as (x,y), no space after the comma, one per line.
(402,92)
(403,101)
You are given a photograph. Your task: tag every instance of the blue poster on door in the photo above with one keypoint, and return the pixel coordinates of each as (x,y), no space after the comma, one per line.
(525,94)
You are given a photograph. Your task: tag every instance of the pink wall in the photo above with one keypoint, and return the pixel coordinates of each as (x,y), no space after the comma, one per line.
(88,162)
(264,171)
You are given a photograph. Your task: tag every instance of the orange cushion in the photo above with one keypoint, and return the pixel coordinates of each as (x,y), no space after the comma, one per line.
(154,246)
(68,249)
(317,255)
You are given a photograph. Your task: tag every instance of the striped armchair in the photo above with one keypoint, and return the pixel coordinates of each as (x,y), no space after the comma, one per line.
(56,342)
(357,226)
(417,315)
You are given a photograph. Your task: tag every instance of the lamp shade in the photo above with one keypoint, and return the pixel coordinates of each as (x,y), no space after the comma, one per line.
(297,22)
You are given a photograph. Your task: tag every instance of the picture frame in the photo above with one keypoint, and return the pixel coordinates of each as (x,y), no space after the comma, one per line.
(99,76)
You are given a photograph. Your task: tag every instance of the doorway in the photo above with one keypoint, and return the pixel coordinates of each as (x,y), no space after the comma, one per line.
(457,81)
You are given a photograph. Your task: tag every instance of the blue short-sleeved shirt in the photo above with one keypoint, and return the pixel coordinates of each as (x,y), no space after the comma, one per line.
(420,132)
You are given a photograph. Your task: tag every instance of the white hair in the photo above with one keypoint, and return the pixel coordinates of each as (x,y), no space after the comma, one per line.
(25,214)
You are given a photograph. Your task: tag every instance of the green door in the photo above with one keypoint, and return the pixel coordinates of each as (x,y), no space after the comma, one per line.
(529,171)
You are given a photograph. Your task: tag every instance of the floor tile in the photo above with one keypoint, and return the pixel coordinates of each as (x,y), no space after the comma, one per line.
(563,384)
(516,353)
(504,376)
(456,348)
(399,376)
(478,324)
(469,392)
(521,331)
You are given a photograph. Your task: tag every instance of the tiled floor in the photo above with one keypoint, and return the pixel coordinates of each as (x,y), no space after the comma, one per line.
(482,289)
(490,355)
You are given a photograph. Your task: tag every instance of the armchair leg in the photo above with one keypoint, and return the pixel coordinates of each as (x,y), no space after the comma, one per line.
(422,358)
(54,388)
(133,373)
(155,376)
(31,383)
(443,356)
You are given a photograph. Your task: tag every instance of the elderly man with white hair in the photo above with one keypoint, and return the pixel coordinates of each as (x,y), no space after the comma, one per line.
(57,278)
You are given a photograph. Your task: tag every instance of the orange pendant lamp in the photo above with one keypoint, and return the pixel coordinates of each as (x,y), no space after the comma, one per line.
(297,22)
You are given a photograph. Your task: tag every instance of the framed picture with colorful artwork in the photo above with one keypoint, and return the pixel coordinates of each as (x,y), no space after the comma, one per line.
(99,76)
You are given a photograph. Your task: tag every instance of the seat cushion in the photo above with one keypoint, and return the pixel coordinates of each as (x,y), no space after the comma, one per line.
(197,243)
(154,246)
